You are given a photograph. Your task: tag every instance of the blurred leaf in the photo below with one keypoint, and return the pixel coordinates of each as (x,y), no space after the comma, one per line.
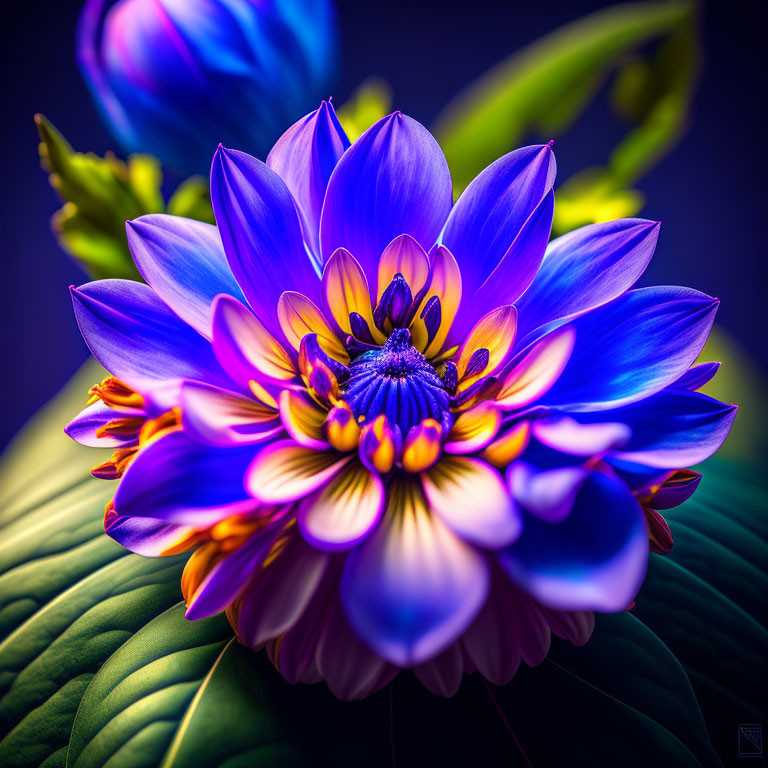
(545,87)
(369,103)
(100,194)
(192,199)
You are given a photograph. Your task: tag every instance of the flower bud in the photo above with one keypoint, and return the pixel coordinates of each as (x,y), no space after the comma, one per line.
(176,77)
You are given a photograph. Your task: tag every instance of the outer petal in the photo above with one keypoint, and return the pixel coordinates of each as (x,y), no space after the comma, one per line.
(672,429)
(494,208)
(178,480)
(575,439)
(394,180)
(633,347)
(344,511)
(220,417)
(304,157)
(471,498)
(286,471)
(594,560)
(696,377)
(514,272)
(137,338)
(184,263)
(228,577)
(147,536)
(549,494)
(509,626)
(585,269)
(84,426)
(245,348)
(261,233)
(279,594)
(413,586)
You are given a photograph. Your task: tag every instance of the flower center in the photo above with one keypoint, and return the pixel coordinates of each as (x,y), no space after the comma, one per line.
(397,381)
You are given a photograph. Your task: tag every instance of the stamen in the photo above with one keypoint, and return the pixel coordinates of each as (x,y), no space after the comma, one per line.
(478,362)
(395,304)
(360,329)
(431,315)
(341,428)
(380,445)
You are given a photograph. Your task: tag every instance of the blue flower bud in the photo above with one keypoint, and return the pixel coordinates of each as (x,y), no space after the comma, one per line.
(176,77)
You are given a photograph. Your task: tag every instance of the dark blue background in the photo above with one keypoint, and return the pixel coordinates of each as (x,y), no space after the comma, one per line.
(709,193)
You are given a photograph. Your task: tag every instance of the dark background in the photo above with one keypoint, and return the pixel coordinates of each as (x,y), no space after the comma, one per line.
(709,193)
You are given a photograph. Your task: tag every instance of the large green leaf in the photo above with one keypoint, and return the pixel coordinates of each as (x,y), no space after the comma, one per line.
(69,596)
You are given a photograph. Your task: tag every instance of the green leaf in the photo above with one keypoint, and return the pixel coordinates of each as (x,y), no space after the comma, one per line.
(545,87)
(69,595)
(101,193)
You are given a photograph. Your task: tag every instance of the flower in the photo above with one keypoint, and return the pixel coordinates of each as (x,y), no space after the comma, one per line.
(398,432)
(174,77)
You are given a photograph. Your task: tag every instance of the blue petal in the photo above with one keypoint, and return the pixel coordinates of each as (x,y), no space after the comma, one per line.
(394,180)
(179,480)
(585,269)
(261,233)
(513,274)
(633,347)
(696,377)
(493,209)
(137,338)
(413,586)
(594,560)
(674,428)
(304,157)
(184,263)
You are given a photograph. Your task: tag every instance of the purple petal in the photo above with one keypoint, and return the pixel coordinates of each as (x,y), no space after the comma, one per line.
(442,675)
(633,347)
(509,627)
(393,181)
(696,377)
(304,157)
(549,495)
(178,480)
(350,668)
(493,209)
(184,263)
(594,560)
(221,417)
(585,269)
(228,577)
(672,429)
(145,535)
(261,232)
(137,338)
(280,593)
(413,586)
(84,426)
(569,436)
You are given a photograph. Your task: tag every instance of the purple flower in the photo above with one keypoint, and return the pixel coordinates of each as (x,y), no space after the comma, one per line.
(399,432)
(174,77)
